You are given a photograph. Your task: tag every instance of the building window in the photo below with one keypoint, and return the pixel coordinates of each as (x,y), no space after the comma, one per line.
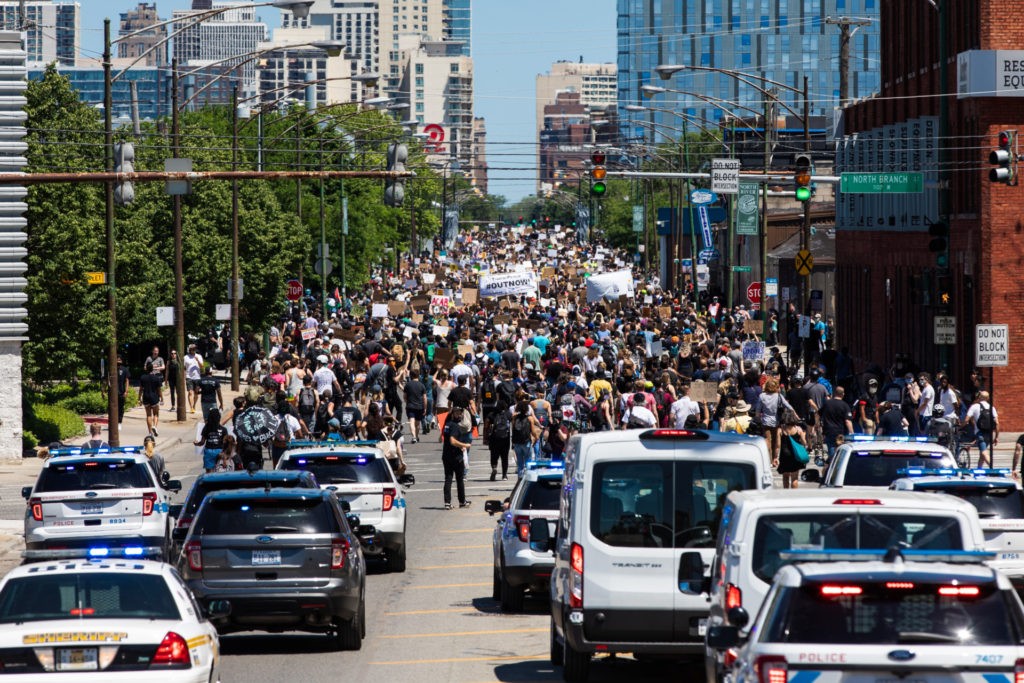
(455,68)
(419,107)
(419,68)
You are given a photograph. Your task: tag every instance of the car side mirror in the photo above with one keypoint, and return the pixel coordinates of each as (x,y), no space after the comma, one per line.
(218,609)
(492,507)
(738,617)
(26,492)
(691,573)
(173,485)
(723,637)
(165,477)
(540,536)
(811,476)
(407,480)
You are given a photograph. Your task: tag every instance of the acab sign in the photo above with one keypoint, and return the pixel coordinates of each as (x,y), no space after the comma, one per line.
(991,345)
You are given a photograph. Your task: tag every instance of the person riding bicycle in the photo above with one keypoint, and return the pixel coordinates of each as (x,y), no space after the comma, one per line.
(940,427)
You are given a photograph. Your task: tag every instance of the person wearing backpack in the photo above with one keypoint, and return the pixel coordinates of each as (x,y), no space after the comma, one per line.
(288,428)
(525,429)
(498,439)
(308,402)
(983,417)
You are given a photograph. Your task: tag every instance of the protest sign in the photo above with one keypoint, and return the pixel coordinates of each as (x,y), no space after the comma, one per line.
(610,285)
(396,308)
(753,350)
(502,284)
(379,311)
(470,296)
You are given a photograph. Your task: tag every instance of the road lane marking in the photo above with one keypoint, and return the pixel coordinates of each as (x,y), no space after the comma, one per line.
(465,547)
(449,610)
(466,531)
(448,660)
(450,585)
(457,566)
(490,632)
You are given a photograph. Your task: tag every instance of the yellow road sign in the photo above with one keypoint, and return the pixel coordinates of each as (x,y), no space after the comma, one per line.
(96,278)
(804,262)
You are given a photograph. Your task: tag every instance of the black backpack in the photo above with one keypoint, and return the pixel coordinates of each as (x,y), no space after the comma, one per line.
(984,421)
(522,431)
(307,401)
(500,425)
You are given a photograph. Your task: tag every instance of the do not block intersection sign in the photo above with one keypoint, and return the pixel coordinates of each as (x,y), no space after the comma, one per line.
(991,345)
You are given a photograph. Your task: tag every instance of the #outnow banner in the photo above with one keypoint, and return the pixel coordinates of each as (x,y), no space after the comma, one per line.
(506,284)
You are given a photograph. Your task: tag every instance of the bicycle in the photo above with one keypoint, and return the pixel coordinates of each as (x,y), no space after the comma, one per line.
(963,441)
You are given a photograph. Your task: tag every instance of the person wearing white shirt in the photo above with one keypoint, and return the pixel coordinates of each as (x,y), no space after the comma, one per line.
(683,408)
(637,416)
(193,373)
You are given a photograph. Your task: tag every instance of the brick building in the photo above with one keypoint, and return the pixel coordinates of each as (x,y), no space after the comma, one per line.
(888,282)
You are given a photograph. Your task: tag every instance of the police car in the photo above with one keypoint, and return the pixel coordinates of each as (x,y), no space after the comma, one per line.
(97,497)
(518,566)
(894,617)
(359,474)
(996,495)
(876,461)
(105,618)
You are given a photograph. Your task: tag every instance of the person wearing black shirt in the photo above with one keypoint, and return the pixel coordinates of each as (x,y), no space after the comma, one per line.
(415,394)
(836,420)
(124,378)
(455,440)
(349,417)
(209,393)
(800,399)
(150,386)
(461,396)
(891,421)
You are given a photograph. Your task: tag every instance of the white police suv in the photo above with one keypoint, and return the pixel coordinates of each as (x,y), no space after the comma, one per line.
(900,616)
(105,619)
(360,476)
(875,461)
(101,497)
(519,565)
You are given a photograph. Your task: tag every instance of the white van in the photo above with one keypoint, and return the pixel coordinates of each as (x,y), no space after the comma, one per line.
(758,525)
(634,543)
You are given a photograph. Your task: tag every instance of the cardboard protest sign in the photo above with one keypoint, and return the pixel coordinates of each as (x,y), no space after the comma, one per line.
(444,357)
(428,278)
(704,392)
(665,311)
(396,308)
(417,318)
(418,303)
(464,349)
(547,272)
(379,298)
(309,334)
(379,311)
(470,296)
(753,326)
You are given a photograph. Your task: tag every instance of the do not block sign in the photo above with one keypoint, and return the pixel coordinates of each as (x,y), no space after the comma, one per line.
(991,345)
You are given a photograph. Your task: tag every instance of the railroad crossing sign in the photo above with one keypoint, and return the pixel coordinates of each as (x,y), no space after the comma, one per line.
(804,262)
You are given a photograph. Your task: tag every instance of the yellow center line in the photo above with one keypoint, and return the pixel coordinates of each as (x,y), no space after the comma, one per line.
(450,585)
(457,566)
(465,547)
(467,531)
(450,610)
(462,659)
(467,633)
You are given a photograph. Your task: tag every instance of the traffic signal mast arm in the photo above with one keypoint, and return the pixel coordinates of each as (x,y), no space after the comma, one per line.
(159,176)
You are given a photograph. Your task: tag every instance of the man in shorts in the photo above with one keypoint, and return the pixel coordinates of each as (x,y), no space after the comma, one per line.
(151,391)
(193,373)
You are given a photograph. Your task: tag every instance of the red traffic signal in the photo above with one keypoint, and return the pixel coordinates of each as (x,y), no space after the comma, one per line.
(1004,139)
(597,158)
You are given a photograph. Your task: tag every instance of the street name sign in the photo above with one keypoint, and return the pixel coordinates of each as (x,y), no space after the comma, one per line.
(882,183)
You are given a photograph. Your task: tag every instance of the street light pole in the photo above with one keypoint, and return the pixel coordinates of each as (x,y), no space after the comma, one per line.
(113,397)
(235,373)
(179,275)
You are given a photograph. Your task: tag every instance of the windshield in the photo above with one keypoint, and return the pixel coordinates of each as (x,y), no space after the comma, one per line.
(87,595)
(264,516)
(881,468)
(94,475)
(992,503)
(203,488)
(820,530)
(663,504)
(542,494)
(891,613)
(342,469)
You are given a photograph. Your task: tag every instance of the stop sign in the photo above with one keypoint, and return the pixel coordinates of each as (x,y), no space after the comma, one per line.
(754,293)
(295,290)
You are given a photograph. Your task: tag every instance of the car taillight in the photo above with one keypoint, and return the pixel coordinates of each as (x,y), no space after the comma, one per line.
(960,591)
(771,669)
(173,652)
(1018,671)
(576,576)
(194,553)
(339,549)
(148,501)
(857,501)
(389,498)
(733,596)
(36,505)
(523,528)
(833,591)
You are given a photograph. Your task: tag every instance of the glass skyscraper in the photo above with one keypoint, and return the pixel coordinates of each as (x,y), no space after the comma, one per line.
(779,40)
(457,23)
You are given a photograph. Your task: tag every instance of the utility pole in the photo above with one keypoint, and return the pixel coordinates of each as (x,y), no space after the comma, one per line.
(848,26)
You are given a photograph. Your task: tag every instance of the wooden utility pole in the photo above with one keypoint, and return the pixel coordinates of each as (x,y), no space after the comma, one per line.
(848,26)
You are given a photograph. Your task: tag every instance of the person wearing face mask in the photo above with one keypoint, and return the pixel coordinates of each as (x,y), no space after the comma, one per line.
(867,408)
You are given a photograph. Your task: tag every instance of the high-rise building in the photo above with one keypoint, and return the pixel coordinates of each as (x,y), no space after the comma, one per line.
(353,22)
(152,87)
(143,19)
(51,29)
(478,172)
(594,83)
(458,24)
(232,36)
(415,19)
(284,72)
(438,84)
(778,41)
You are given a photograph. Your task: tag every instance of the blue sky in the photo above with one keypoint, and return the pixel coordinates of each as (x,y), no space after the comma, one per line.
(512,43)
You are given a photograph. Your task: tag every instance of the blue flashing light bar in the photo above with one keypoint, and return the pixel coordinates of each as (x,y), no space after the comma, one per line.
(93,553)
(106,450)
(902,439)
(327,443)
(949,472)
(869,554)
(543,464)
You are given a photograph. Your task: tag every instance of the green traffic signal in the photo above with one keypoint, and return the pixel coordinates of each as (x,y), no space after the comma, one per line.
(598,188)
(803,194)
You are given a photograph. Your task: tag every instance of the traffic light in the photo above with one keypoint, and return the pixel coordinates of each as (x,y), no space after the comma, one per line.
(1005,159)
(802,177)
(520,221)
(597,174)
(944,289)
(124,162)
(939,243)
(394,188)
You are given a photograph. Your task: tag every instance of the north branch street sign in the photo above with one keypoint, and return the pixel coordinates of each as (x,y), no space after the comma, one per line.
(881,183)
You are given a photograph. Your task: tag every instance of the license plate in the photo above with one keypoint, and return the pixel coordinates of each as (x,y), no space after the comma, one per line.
(91,508)
(77,659)
(702,627)
(265,557)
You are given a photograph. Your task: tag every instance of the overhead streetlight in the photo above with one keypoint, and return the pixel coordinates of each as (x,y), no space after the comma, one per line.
(374,101)
(397,106)
(652,90)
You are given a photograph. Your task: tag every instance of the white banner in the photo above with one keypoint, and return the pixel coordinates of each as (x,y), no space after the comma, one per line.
(610,285)
(502,284)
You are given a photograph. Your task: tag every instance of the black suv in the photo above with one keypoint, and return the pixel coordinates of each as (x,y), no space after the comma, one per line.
(285,559)
(206,484)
